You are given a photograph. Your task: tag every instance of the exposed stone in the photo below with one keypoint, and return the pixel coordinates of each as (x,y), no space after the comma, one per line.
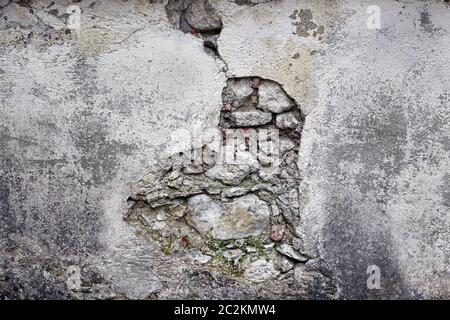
(3,3)
(275,210)
(213,191)
(198,256)
(288,204)
(265,160)
(290,158)
(285,263)
(250,118)
(152,222)
(268,174)
(270,146)
(201,16)
(272,98)
(286,145)
(175,10)
(277,232)
(232,254)
(290,252)
(161,216)
(178,210)
(238,92)
(203,213)
(244,217)
(158,225)
(234,192)
(174,175)
(260,271)
(287,120)
(193,169)
(230,174)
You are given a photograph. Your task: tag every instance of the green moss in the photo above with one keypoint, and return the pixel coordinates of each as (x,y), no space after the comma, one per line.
(218,246)
(228,266)
(257,243)
(167,245)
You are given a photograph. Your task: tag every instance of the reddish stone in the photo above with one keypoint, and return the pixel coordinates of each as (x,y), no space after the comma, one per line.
(277,232)
(227,107)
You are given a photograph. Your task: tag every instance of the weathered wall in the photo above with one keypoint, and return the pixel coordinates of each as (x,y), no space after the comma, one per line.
(86,113)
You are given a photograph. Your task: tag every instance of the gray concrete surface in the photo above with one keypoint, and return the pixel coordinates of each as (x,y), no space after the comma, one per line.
(86,112)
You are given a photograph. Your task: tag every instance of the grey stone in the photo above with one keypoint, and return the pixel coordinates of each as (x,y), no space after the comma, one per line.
(201,16)
(232,254)
(250,249)
(246,216)
(203,213)
(287,120)
(178,210)
(272,98)
(230,174)
(3,3)
(285,263)
(277,232)
(158,225)
(198,256)
(214,191)
(275,210)
(260,271)
(267,147)
(238,91)
(290,252)
(193,169)
(266,160)
(286,145)
(174,175)
(234,192)
(152,222)
(250,118)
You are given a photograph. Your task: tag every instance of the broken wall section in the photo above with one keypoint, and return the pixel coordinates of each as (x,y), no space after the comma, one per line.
(232,204)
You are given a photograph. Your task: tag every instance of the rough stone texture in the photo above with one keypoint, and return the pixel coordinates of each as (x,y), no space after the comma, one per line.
(239,92)
(272,98)
(287,120)
(90,116)
(290,252)
(229,173)
(245,217)
(200,16)
(204,213)
(250,118)
(260,271)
